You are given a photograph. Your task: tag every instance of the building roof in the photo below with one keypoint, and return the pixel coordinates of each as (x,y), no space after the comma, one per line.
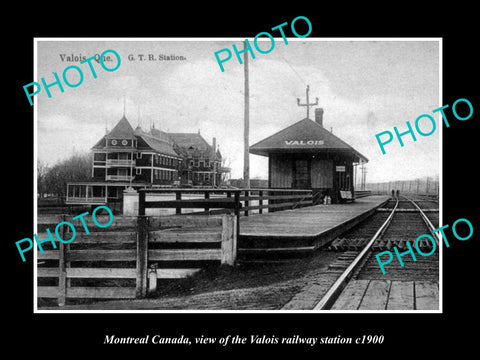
(158,145)
(173,144)
(161,135)
(192,143)
(304,136)
(123,130)
(189,139)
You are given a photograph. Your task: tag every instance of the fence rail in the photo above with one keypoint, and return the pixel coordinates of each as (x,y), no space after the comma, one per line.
(221,201)
(362,193)
(127,260)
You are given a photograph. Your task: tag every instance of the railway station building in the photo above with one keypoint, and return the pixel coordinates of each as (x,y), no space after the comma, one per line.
(305,155)
(134,158)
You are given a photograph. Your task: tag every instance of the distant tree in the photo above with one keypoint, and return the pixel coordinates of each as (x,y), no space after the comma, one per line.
(42,170)
(78,167)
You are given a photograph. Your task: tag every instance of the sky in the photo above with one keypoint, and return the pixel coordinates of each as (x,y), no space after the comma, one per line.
(365,86)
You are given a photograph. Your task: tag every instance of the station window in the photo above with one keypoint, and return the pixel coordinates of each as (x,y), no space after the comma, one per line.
(138,171)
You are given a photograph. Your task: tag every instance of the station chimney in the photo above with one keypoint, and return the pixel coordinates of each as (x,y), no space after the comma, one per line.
(319,116)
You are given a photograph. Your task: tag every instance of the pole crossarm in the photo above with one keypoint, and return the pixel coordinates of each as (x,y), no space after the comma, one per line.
(308,104)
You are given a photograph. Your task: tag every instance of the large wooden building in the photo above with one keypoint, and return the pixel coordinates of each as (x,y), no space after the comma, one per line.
(125,157)
(305,155)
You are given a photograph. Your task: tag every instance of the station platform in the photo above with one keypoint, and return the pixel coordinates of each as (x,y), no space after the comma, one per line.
(304,229)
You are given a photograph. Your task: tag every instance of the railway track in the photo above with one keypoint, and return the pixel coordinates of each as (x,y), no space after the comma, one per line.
(362,285)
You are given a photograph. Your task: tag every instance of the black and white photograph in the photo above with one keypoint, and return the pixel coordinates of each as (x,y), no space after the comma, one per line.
(259,187)
(272,185)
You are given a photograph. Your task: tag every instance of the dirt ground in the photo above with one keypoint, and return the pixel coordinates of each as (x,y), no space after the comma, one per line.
(259,286)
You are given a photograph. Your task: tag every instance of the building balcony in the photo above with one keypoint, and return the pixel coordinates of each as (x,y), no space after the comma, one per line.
(120,162)
(76,200)
(120,177)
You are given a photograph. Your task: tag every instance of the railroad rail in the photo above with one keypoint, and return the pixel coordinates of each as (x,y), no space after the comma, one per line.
(360,261)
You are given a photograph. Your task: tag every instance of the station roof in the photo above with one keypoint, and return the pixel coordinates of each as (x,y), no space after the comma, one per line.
(305,136)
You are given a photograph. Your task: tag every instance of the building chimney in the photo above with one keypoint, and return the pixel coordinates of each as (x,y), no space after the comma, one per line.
(319,116)
(214,145)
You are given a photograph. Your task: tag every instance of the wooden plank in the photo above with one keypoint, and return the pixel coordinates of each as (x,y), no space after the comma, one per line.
(229,240)
(51,292)
(101,292)
(256,207)
(48,255)
(401,296)
(184,254)
(426,295)
(49,220)
(376,295)
(158,222)
(175,273)
(191,204)
(62,275)
(184,236)
(47,272)
(141,257)
(275,197)
(117,222)
(106,237)
(100,273)
(289,204)
(351,296)
(101,255)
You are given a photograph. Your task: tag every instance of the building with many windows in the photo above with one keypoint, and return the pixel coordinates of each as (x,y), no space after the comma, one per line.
(127,157)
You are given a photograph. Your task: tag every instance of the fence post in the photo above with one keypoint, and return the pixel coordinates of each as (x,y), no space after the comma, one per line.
(271,201)
(237,207)
(246,194)
(260,201)
(178,197)
(62,275)
(207,196)
(229,240)
(141,202)
(142,257)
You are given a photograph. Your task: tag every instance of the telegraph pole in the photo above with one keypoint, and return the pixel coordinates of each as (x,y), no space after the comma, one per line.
(246,124)
(308,103)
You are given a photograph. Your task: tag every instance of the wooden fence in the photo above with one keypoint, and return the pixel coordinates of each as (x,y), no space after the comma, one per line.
(362,193)
(125,260)
(221,201)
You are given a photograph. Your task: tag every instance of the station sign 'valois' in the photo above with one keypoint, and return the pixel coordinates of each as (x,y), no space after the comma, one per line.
(304,142)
